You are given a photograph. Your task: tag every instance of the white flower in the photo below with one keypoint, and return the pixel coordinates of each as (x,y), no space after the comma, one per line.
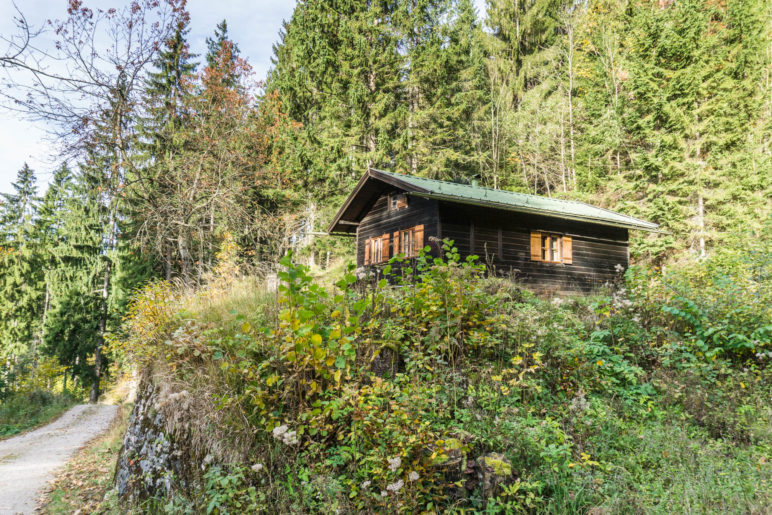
(413,476)
(283,434)
(257,467)
(395,463)
(396,486)
(365,484)
(383,493)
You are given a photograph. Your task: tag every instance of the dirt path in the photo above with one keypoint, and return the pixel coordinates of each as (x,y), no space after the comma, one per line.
(28,461)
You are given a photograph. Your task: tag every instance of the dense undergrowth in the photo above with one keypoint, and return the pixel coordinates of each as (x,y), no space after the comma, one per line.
(447,390)
(25,410)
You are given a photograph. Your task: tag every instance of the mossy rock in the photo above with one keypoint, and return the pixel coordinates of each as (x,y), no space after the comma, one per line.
(500,466)
(493,470)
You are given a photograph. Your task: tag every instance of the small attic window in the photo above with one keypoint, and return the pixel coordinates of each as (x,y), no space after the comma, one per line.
(397,201)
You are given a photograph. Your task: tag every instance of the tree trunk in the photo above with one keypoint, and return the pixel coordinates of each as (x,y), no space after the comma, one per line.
(571,99)
(95,387)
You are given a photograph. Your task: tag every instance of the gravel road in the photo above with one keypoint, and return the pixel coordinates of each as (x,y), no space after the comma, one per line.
(29,461)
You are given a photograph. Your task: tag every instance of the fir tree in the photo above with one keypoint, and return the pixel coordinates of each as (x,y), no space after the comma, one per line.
(223,54)
(168,87)
(20,271)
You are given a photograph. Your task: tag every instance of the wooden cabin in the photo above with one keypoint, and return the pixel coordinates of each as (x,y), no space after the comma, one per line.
(548,244)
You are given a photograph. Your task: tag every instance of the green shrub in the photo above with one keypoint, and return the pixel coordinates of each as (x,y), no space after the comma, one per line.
(568,394)
(25,410)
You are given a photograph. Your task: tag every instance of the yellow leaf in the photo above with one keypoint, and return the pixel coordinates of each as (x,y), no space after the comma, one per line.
(335,334)
(316,339)
(742,385)
(337,376)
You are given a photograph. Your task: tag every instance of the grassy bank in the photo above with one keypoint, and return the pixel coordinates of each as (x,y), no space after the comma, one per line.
(23,411)
(453,391)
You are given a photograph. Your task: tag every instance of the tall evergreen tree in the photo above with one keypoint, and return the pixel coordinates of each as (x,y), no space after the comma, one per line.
(222,53)
(20,272)
(169,85)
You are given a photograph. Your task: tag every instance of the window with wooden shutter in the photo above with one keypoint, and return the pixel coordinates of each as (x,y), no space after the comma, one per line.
(385,248)
(418,239)
(409,242)
(535,246)
(395,243)
(568,251)
(377,250)
(551,248)
(406,242)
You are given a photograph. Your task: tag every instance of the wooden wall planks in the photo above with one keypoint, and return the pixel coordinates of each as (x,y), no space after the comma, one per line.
(502,240)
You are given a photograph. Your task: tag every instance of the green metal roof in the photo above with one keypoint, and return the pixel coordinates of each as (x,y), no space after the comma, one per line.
(521,202)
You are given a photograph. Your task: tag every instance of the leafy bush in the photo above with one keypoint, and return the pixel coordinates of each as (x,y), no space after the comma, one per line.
(396,396)
(26,410)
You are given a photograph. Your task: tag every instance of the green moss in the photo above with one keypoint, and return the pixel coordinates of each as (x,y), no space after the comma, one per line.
(499,465)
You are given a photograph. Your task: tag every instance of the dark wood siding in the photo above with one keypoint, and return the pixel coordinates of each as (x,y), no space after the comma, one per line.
(502,240)
(379,220)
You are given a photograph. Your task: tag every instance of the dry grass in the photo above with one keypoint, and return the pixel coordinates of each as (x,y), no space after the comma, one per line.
(228,302)
(193,414)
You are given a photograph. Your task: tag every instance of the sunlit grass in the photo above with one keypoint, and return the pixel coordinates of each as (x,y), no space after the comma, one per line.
(25,411)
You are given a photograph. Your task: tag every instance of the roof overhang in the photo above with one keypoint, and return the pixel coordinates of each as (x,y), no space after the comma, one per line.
(372,184)
(506,207)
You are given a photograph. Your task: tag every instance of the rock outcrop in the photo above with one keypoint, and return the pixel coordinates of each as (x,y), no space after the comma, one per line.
(151,462)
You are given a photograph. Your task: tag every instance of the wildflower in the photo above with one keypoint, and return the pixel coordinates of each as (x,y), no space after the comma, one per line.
(365,484)
(396,486)
(599,363)
(413,476)
(383,493)
(257,467)
(284,435)
(395,463)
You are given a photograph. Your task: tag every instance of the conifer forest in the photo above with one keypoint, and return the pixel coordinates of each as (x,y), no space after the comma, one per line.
(180,246)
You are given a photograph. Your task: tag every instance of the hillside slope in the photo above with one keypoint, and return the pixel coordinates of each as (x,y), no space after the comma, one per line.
(453,391)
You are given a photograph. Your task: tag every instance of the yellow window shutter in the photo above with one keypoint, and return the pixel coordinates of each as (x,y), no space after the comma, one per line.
(395,243)
(568,250)
(418,238)
(535,246)
(367,252)
(385,248)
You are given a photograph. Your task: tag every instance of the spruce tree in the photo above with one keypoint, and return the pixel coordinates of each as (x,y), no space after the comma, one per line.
(20,271)
(72,327)
(169,85)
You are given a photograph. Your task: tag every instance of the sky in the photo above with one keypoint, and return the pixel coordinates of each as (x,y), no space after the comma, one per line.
(253,24)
